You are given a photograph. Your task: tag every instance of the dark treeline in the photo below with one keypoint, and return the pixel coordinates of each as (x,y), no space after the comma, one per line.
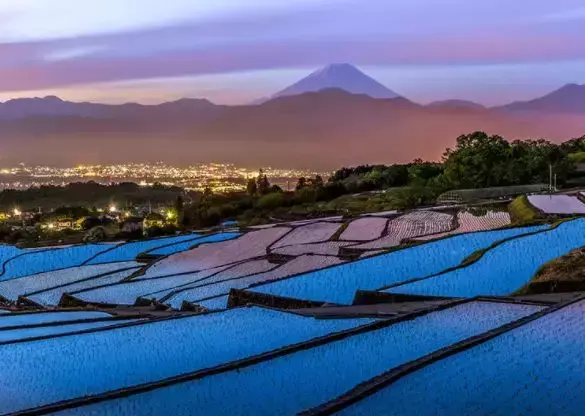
(89,195)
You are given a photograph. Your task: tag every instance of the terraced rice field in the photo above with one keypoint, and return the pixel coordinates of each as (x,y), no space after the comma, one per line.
(505,268)
(213,304)
(117,358)
(457,355)
(129,251)
(32,332)
(205,293)
(8,252)
(52,297)
(126,293)
(534,369)
(329,248)
(326,371)
(12,289)
(311,233)
(19,319)
(186,245)
(409,226)
(225,261)
(339,284)
(557,204)
(207,256)
(470,223)
(34,262)
(365,229)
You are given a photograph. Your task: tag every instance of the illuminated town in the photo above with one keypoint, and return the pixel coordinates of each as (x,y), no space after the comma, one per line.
(219,177)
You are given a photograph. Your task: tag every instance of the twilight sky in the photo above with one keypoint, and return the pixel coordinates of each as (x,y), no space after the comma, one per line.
(234,51)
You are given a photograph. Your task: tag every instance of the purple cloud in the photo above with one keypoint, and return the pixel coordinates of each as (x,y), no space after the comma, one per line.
(423,32)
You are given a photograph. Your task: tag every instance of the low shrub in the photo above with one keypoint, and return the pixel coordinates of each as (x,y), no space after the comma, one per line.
(271,201)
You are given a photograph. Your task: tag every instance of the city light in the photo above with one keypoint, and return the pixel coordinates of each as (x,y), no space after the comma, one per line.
(17,212)
(219,177)
(113,208)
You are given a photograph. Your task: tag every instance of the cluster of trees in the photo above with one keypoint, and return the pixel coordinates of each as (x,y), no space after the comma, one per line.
(482,161)
(477,161)
(370,178)
(260,185)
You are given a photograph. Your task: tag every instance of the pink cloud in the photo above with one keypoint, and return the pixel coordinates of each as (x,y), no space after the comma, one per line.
(39,74)
(299,39)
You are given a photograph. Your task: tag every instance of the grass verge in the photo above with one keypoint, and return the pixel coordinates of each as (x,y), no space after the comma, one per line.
(522,212)
(565,273)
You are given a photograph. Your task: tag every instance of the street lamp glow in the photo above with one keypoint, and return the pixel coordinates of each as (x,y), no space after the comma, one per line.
(113,208)
(17,212)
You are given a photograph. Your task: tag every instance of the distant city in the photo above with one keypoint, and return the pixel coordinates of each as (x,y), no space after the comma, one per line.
(219,177)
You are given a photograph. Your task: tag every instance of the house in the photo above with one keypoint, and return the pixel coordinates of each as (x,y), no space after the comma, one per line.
(132,225)
(61,224)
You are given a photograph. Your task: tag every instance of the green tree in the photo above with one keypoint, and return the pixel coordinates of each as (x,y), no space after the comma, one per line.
(317,182)
(180,210)
(251,187)
(421,172)
(262,183)
(305,195)
(481,161)
(574,145)
(271,201)
(478,161)
(301,183)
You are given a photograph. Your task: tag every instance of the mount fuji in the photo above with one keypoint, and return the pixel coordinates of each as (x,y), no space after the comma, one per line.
(339,76)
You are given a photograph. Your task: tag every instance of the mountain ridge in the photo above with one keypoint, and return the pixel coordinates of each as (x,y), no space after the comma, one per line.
(19,108)
(570,99)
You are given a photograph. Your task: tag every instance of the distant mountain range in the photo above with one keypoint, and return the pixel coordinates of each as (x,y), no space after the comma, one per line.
(569,99)
(55,107)
(308,124)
